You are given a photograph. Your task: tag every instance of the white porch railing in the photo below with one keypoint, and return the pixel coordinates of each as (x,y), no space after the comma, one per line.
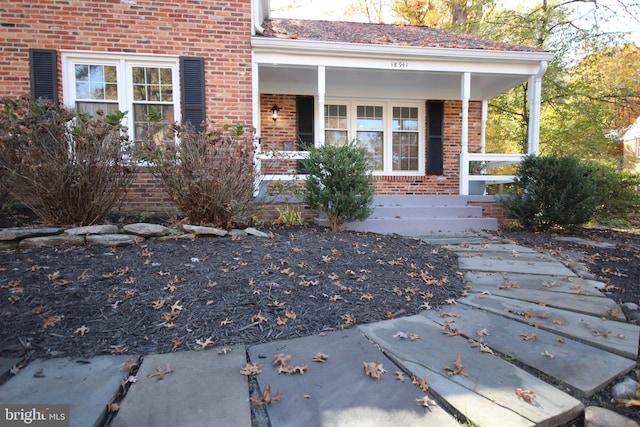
(488,161)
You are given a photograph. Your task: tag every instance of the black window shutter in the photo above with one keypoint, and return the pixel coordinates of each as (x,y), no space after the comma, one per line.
(192,85)
(435,137)
(43,67)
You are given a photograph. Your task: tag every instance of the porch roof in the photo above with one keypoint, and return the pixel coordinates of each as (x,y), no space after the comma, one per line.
(381,34)
(401,62)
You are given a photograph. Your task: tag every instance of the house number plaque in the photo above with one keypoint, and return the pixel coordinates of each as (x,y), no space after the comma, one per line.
(399,64)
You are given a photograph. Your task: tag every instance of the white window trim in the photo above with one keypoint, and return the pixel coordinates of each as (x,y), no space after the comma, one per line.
(387,112)
(123,62)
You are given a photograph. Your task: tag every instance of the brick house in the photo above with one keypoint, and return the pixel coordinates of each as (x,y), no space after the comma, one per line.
(415,96)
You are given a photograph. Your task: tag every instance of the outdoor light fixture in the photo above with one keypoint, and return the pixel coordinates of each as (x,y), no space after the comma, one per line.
(275,110)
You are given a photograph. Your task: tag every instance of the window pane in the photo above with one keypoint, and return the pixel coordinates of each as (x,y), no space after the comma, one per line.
(82,73)
(97,82)
(405,151)
(373,142)
(139,93)
(93,107)
(153,76)
(157,129)
(335,137)
(370,118)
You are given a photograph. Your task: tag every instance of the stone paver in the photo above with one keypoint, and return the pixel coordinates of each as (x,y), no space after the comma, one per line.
(487,394)
(86,385)
(572,285)
(510,266)
(204,389)
(337,392)
(564,359)
(6,363)
(616,337)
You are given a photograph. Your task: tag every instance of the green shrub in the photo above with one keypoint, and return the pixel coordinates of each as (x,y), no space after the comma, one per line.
(68,167)
(551,191)
(339,183)
(616,192)
(208,174)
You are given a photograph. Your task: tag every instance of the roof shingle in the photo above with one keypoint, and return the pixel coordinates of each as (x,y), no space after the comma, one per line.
(385,34)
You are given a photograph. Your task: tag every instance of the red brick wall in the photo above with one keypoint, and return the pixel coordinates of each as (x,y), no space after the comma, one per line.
(146,195)
(219,31)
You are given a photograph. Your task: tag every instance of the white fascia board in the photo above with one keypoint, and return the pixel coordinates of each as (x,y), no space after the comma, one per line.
(352,55)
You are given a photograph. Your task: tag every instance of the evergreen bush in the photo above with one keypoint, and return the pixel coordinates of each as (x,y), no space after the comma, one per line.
(616,192)
(551,191)
(339,183)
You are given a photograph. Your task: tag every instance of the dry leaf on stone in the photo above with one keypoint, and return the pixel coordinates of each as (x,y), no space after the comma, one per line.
(549,355)
(423,383)
(425,401)
(528,337)
(527,395)
(251,369)
(400,376)
(374,370)
(112,406)
(482,332)
(281,359)
(320,357)
(128,364)
(459,368)
(160,373)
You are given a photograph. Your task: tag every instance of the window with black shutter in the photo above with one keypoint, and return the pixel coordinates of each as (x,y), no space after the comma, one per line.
(192,84)
(435,137)
(43,67)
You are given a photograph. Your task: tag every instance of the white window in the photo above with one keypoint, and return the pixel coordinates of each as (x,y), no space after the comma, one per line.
(390,131)
(145,86)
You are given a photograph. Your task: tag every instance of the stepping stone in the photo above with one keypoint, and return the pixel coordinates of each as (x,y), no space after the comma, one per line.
(595,416)
(571,358)
(488,254)
(204,231)
(110,240)
(337,392)
(50,241)
(524,267)
(85,385)
(472,239)
(572,285)
(146,229)
(22,233)
(487,395)
(616,337)
(205,388)
(93,229)
(491,247)
(591,305)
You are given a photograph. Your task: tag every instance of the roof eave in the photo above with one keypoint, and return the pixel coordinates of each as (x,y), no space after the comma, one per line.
(357,49)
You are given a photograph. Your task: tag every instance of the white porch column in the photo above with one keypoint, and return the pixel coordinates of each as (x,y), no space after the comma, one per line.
(483,126)
(320,115)
(535,95)
(464,151)
(255,107)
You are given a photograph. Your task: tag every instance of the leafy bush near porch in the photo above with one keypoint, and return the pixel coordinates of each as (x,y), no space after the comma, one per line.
(552,191)
(68,167)
(339,183)
(616,192)
(208,174)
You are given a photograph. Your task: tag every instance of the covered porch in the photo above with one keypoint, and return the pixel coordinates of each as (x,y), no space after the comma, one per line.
(341,81)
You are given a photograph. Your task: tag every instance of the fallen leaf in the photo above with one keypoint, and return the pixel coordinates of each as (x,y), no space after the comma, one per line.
(451,332)
(258,317)
(414,337)
(449,315)
(348,319)
(528,337)
(177,342)
(290,314)
(401,335)
(423,383)
(425,401)
(527,395)
(50,321)
(320,357)
(482,332)
(459,368)
(400,376)
(366,297)
(112,406)
(160,373)
(251,369)
(157,304)
(82,330)
(128,364)
(281,359)
(224,350)
(206,343)
(549,355)
(374,370)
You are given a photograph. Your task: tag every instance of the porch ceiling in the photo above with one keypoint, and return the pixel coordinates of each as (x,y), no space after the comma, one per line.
(372,83)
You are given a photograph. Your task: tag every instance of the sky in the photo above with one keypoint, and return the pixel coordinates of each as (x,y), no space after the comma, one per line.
(334,10)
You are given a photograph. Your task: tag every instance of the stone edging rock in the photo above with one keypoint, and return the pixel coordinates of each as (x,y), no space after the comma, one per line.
(109,235)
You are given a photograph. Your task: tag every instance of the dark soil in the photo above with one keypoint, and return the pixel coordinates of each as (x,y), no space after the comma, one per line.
(164,296)
(179,295)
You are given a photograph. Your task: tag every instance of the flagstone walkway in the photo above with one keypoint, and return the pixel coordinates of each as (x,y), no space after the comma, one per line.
(528,336)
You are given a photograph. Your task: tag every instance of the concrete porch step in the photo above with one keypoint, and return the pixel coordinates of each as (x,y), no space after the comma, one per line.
(415,215)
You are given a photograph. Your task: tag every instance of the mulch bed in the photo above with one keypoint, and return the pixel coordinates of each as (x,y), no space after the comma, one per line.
(180,295)
(164,296)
